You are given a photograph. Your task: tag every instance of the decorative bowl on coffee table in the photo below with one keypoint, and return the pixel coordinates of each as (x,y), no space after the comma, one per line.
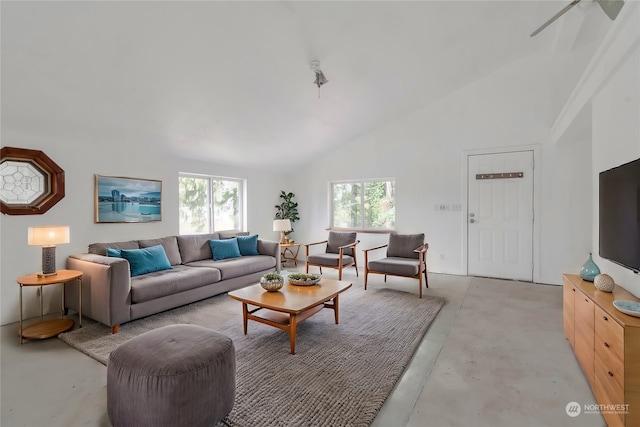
(302,279)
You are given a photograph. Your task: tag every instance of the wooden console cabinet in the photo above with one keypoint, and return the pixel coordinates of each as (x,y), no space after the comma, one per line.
(607,345)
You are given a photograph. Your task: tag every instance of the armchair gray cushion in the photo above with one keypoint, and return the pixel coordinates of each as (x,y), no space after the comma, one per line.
(336,240)
(396,266)
(403,245)
(330,259)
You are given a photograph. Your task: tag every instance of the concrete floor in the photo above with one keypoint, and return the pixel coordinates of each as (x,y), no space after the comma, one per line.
(496,355)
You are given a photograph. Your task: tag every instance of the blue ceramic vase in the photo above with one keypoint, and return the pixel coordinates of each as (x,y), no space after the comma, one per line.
(589,270)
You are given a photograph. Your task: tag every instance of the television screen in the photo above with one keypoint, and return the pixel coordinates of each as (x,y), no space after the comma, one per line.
(620,215)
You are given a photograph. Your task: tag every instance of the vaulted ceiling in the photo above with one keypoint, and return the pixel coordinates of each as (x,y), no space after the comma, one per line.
(231,82)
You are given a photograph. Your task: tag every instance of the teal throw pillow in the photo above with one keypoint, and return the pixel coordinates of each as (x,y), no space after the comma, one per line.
(248,245)
(114,253)
(223,249)
(147,260)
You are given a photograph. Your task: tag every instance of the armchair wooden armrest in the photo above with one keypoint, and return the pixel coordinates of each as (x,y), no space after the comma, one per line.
(306,246)
(373,249)
(350,245)
(316,243)
(422,248)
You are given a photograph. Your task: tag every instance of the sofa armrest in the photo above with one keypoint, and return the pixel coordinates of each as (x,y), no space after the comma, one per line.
(106,288)
(271,248)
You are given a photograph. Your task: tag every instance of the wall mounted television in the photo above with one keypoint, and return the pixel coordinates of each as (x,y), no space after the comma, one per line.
(619,206)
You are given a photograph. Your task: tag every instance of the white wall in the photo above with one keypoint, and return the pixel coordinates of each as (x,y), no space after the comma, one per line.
(424,152)
(616,140)
(81,158)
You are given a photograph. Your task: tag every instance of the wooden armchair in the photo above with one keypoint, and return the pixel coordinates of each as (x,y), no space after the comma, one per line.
(340,252)
(406,257)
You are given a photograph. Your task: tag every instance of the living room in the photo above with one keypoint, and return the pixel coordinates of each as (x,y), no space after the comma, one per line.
(106,88)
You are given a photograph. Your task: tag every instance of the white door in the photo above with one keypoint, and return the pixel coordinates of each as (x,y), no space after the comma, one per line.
(500,215)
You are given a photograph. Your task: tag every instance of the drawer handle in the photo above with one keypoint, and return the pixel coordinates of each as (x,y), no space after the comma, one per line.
(605,344)
(605,317)
(610,373)
(586,300)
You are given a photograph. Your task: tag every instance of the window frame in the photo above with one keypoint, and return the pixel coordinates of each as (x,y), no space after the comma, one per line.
(362,182)
(242,214)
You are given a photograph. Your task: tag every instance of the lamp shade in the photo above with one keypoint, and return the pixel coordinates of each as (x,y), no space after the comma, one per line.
(48,235)
(281,225)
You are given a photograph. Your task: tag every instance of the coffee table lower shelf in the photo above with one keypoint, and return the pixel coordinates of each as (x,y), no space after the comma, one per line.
(286,321)
(285,308)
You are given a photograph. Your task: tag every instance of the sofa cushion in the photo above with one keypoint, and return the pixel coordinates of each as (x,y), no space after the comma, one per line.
(168,282)
(101,248)
(194,247)
(231,234)
(403,245)
(236,267)
(223,249)
(170,245)
(248,245)
(146,260)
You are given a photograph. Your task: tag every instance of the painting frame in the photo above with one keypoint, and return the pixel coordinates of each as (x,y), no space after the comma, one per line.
(119,199)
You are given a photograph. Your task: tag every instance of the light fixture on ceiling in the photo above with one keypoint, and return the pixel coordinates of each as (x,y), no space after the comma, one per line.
(320,78)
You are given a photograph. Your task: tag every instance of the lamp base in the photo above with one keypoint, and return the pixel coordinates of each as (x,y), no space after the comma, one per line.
(283,238)
(42,275)
(48,261)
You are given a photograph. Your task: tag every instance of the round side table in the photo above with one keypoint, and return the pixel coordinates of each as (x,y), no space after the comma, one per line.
(49,328)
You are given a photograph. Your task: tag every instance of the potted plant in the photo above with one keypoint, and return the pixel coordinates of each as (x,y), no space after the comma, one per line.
(288,209)
(271,281)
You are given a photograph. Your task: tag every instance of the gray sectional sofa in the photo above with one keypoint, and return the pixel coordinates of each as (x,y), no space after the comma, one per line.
(112,297)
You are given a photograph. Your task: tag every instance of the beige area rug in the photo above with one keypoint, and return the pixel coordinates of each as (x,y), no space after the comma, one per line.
(340,375)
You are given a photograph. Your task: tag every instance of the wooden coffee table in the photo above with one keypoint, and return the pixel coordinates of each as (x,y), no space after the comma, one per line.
(292,304)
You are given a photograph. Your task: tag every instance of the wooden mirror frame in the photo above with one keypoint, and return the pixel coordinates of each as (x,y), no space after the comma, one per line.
(54,187)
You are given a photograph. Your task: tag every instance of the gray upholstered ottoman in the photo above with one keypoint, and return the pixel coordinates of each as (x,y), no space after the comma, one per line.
(178,375)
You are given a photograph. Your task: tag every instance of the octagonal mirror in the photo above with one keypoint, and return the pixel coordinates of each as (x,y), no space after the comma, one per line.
(30,182)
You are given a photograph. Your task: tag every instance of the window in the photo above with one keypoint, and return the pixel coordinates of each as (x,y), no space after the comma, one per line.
(363,205)
(210,203)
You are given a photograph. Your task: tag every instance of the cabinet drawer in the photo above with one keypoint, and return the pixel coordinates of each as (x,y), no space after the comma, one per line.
(608,392)
(609,380)
(609,367)
(609,335)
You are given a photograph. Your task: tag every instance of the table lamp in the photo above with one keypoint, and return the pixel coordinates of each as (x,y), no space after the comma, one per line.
(48,237)
(282,225)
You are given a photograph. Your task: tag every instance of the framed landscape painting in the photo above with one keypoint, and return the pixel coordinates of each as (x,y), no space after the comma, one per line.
(119,199)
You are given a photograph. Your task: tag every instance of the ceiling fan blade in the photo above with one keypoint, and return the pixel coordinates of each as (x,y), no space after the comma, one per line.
(556,16)
(611,7)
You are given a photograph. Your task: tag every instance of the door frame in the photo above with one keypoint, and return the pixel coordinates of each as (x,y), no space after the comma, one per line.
(536,200)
